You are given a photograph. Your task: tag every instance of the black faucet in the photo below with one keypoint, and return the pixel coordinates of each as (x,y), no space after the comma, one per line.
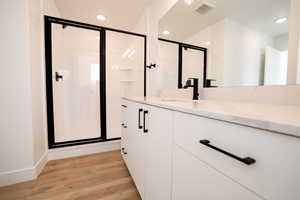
(194,83)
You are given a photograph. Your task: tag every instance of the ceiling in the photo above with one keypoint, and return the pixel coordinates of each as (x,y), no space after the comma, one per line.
(183,21)
(121,14)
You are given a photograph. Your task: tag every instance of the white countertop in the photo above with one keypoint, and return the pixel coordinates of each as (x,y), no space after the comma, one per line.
(277,118)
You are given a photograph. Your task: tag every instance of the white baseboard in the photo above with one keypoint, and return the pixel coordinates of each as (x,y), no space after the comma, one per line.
(39,166)
(17,176)
(75,151)
(22,175)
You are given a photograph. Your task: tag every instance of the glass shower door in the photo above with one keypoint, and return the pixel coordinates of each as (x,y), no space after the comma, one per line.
(76,83)
(124,73)
(193,65)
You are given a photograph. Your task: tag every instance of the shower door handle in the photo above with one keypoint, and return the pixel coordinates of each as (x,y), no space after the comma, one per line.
(58,77)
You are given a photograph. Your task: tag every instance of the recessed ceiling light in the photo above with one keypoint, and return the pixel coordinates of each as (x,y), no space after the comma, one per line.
(188,2)
(281,20)
(166,32)
(101,18)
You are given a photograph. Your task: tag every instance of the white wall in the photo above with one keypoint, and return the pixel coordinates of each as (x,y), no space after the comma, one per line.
(23,145)
(215,34)
(281,42)
(298,77)
(156,10)
(50,8)
(37,79)
(16,150)
(294,30)
(235,53)
(244,55)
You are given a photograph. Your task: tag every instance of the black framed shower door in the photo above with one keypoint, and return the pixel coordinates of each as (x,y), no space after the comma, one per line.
(55,78)
(181,47)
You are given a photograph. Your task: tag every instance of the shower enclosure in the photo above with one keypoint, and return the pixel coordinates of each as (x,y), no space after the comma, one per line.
(88,69)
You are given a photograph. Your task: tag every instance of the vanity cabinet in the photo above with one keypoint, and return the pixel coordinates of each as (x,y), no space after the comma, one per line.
(173,155)
(147,147)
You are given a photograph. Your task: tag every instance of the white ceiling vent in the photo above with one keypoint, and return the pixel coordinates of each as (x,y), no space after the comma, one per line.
(205,7)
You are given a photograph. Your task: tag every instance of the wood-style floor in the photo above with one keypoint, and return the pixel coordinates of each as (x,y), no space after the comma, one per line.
(102,176)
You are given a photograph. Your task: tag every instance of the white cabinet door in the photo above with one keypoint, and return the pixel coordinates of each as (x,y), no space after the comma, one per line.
(136,146)
(195,180)
(158,122)
(148,143)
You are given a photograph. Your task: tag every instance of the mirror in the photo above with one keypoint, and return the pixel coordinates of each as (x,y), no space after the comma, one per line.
(225,43)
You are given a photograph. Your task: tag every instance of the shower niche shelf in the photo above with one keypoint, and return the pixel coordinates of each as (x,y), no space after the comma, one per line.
(127,81)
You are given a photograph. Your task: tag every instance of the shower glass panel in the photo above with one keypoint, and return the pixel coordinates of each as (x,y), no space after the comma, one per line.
(125,57)
(192,65)
(76,87)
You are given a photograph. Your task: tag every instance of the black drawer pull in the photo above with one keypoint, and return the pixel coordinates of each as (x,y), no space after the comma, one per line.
(145,113)
(139,122)
(247,160)
(124,106)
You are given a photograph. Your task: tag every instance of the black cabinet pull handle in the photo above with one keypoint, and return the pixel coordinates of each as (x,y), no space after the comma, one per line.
(123,125)
(124,106)
(145,113)
(247,160)
(139,122)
